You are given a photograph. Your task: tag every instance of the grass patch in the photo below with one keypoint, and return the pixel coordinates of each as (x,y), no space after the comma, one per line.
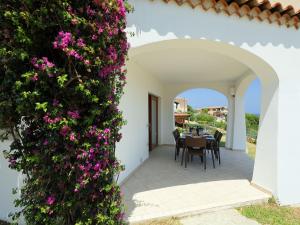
(168,221)
(272,214)
(251,150)
(3,223)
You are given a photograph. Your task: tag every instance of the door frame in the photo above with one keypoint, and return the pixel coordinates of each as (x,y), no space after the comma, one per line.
(150,98)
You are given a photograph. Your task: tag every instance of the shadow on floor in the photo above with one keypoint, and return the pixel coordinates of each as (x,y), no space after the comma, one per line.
(161,186)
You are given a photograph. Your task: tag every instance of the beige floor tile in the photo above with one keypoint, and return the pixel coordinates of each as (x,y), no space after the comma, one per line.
(162,187)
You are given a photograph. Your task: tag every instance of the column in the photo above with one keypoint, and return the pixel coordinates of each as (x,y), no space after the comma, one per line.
(229,129)
(239,124)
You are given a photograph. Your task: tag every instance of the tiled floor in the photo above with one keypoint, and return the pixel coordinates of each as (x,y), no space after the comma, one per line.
(162,187)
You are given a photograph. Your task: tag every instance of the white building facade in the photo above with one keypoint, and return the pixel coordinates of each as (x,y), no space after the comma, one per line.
(177,47)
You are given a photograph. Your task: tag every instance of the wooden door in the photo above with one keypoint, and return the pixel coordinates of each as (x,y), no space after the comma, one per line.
(153,121)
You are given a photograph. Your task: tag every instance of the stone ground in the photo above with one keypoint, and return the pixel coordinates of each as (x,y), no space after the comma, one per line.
(161,187)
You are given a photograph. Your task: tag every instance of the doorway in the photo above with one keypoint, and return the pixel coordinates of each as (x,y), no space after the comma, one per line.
(153,121)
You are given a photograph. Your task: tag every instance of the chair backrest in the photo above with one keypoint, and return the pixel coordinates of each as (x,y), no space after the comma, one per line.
(219,137)
(216,134)
(176,134)
(199,130)
(195,142)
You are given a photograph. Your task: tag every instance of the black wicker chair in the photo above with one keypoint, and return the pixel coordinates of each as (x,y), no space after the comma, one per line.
(179,143)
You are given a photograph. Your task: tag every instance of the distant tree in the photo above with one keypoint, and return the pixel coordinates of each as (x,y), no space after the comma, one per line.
(190,109)
(252,121)
(205,117)
(205,110)
(192,112)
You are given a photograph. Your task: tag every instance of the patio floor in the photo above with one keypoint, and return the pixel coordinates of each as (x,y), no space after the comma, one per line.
(161,187)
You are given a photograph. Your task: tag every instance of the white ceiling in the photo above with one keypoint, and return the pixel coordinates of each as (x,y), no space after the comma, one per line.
(190,65)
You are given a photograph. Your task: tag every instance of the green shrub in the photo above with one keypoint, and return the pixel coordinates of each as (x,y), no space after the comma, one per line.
(61,79)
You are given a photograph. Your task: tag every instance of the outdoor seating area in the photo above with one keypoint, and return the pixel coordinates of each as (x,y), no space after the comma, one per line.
(197,142)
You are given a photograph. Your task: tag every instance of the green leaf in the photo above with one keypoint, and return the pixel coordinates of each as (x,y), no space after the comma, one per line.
(18,84)
(61,80)
(41,106)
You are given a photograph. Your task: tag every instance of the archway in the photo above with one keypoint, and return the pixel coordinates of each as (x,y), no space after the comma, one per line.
(166,69)
(205,109)
(185,64)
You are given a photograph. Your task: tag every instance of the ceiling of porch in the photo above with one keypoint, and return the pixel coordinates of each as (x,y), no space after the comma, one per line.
(188,65)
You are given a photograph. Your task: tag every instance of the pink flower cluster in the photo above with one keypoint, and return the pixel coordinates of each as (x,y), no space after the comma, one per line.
(90,11)
(112,53)
(67,43)
(50,200)
(104,72)
(63,40)
(75,54)
(65,130)
(41,64)
(80,43)
(93,161)
(122,9)
(49,120)
(74,114)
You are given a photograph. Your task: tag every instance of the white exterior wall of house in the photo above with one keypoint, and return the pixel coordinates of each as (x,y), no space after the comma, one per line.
(270,51)
(133,149)
(9,179)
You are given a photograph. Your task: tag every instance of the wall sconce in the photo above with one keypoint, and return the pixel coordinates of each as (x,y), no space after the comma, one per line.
(232,92)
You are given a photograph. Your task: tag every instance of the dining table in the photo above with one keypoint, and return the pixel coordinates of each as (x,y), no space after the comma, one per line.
(210,141)
(208,137)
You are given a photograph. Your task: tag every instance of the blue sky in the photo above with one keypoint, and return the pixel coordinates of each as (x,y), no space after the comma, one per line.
(199,98)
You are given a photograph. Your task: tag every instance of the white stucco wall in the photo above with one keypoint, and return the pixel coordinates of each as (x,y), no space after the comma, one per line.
(270,51)
(134,147)
(9,179)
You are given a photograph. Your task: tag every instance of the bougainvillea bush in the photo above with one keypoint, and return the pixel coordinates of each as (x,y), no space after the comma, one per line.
(61,79)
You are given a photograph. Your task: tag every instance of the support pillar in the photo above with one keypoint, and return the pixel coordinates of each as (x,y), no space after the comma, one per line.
(229,129)
(239,127)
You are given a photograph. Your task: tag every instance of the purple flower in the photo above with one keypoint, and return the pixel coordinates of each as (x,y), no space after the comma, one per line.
(41,64)
(81,167)
(97,167)
(100,30)
(33,60)
(35,77)
(94,37)
(74,114)
(80,43)
(45,142)
(50,200)
(106,130)
(87,62)
(122,9)
(112,53)
(65,130)
(90,11)
(72,137)
(104,72)
(75,54)
(63,40)
(55,102)
(48,63)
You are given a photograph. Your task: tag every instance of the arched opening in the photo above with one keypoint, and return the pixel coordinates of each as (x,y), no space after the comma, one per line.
(202,110)
(168,68)
(208,110)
